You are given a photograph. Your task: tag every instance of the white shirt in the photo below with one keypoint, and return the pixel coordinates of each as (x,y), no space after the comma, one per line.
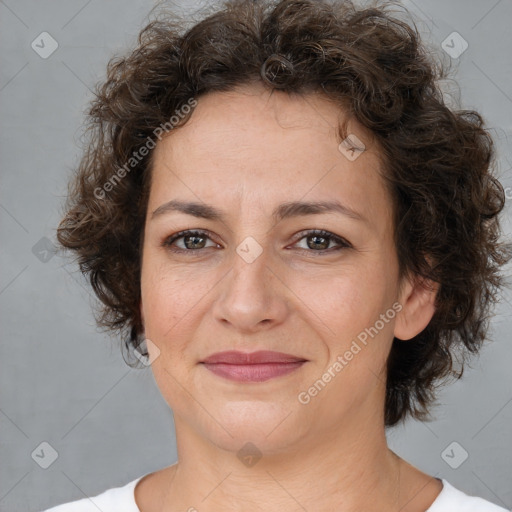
(123,499)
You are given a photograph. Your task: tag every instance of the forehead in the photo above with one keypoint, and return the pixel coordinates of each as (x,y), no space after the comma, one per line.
(260,147)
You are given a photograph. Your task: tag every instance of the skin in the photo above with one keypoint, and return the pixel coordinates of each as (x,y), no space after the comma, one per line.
(246,152)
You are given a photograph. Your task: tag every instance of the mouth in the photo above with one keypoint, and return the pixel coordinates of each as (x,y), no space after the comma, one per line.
(252,367)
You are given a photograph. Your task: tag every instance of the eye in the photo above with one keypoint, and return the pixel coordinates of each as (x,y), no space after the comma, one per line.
(192,241)
(319,241)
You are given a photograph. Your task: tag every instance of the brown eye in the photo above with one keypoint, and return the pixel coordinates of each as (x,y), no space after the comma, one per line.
(191,241)
(319,241)
(194,241)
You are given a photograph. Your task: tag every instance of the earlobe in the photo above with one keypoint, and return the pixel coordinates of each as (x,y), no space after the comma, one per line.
(417,298)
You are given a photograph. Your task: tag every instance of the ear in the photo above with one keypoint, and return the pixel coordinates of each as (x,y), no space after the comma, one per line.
(417,297)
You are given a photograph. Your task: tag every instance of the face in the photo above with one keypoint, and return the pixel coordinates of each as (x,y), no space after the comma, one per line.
(249,281)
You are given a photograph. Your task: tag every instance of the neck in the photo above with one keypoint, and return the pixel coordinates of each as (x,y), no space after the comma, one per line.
(346,469)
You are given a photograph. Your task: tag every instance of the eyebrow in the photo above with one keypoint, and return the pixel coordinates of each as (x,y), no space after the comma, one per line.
(283,211)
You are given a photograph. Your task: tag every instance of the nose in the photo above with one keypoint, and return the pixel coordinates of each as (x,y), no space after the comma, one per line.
(252,296)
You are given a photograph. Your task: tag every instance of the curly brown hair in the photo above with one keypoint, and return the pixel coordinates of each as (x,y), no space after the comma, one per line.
(438,161)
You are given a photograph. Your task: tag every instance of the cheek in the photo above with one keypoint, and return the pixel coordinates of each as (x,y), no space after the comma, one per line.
(348,309)
(345,301)
(170,297)
(172,306)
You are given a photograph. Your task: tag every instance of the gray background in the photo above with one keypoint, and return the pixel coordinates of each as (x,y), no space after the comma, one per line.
(65,383)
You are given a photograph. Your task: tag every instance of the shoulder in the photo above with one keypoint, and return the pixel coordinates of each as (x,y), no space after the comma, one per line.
(111,500)
(452,499)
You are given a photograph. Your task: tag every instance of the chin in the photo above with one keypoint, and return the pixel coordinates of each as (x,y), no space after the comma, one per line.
(268,426)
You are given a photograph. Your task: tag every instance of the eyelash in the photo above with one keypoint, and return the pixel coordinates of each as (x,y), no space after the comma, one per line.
(343,244)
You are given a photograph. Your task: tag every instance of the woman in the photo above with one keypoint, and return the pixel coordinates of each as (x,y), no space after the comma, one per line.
(277,205)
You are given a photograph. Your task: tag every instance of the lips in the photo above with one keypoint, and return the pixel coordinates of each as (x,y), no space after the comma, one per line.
(252,367)
(261,357)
